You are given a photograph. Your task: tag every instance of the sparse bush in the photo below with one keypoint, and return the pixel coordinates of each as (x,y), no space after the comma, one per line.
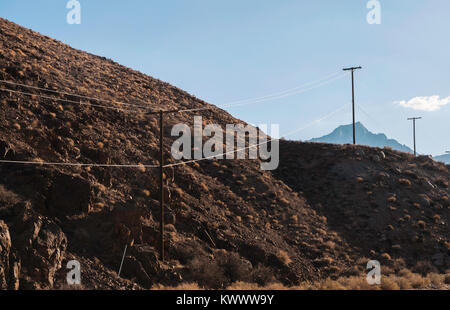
(284,257)
(204,187)
(447,278)
(424,268)
(294,218)
(405,182)
(234,267)
(206,273)
(392,199)
(386,256)
(262,275)
(442,183)
(389,284)
(421,224)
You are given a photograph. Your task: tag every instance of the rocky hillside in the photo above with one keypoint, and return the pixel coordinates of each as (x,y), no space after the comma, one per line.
(323,213)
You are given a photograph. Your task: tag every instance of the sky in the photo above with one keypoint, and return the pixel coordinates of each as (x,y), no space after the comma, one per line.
(224,51)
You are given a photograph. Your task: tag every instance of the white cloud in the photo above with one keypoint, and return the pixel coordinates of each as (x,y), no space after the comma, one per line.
(429,104)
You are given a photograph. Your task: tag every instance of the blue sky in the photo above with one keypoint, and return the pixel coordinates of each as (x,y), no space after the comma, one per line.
(223,51)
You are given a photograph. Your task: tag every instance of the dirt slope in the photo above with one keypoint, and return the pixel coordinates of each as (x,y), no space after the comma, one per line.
(324,211)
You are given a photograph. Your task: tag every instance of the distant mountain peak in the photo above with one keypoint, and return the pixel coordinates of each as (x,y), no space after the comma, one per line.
(344,135)
(443,158)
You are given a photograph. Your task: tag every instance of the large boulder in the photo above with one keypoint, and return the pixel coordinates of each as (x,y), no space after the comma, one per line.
(40,244)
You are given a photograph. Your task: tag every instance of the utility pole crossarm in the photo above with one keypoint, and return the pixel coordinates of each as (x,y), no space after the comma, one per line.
(352,68)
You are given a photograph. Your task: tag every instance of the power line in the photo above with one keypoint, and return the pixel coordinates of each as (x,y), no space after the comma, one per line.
(161,165)
(359,106)
(43,163)
(73,95)
(287,90)
(270,97)
(105,107)
(91,98)
(259,144)
(68,101)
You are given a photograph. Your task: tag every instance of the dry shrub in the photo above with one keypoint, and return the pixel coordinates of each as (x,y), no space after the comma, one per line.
(321,262)
(424,268)
(442,183)
(204,187)
(255,287)
(447,278)
(421,224)
(414,280)
(7,197)
(284,257)
(141,167)
(184,286)
(405,182)
(262,275)
(220,272)
(392,199)
(404,280)
(234,267)
(99,205)
(437,279)
(239,286)
(206,273)
(329,284)
(355,283)
(389,284)
(294,218)
(330,244)
(404,284)
(386,256)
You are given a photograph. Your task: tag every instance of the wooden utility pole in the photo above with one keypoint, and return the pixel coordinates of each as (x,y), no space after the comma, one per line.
(161,170)
(414,132)
(353,99)
(161,181)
